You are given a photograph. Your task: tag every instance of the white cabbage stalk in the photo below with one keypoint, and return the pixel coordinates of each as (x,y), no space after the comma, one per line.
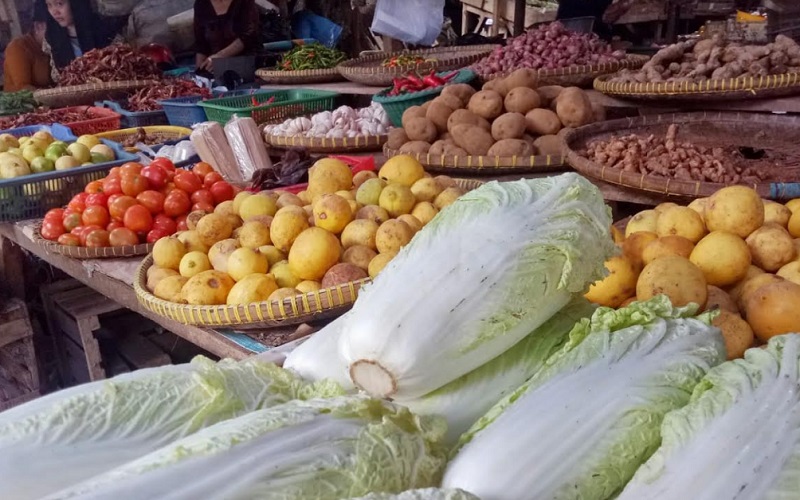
(74,434)
(422,494)
(322,449)
(318,357)
(582,425)
(463,401)
(739,438)
(486,272)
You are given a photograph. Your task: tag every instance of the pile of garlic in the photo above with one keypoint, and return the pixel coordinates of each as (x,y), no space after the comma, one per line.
(342,122)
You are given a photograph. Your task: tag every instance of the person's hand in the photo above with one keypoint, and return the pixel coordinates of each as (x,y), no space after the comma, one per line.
(208,64)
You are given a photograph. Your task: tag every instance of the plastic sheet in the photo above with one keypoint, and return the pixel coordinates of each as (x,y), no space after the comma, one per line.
(244,138)
(412,21)
(211,144)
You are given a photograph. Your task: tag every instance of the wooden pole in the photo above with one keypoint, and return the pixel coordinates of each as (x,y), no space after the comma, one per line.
(497,15)
(519,17)
(16,28)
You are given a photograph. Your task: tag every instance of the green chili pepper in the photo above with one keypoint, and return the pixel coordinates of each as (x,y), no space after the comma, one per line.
(313,56)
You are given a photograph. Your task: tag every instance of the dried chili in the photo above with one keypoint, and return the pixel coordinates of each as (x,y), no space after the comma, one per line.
(113,63)
(146,99)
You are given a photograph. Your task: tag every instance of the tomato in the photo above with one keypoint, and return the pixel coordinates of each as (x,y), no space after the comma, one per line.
(211,178)
(112,185)
(202,168)
(83,231)
(181,223)
(113,197)
(69,240)
(177,203)
(155,175)
(122,236)
(130,168)
(72,221)
(205,207)
(56,214)
(155,235)
(78,202)
(97,200)
(166,224)
(114,172)
(133,184)
(222,191)
(97,238)
(52,230)
(187,181)
(94,187)
(119,205)
(151,200)
(137,218)
(202,196)
(164,163)
(114,224)
(95,216)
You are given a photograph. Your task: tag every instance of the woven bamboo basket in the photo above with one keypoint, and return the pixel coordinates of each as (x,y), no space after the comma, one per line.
(312,306)
(162,133)
(582,76)
(367,70)
(300,77)
(485,165)
(715,89)
(90,253)
(744,130)
(327,145)
(77,95)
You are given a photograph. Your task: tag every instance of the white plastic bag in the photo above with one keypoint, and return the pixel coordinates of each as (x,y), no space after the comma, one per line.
(247,146)
(413,21)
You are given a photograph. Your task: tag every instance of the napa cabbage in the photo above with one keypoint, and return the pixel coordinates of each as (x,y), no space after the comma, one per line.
(318,357)
(422,494)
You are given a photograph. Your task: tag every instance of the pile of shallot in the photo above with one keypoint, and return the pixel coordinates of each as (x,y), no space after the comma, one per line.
(340,123)
(549,46)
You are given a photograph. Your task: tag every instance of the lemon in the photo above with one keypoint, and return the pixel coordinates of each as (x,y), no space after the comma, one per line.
(402,169)
(397,199)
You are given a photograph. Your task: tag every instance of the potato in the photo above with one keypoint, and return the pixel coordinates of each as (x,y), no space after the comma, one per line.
(421,129)
(521,100)
(487,104)
(474,140)
(774,310)
(777,213)
(397,137)
(450,101)
(737,209)
(680,221)
(548,94)
(789,272)
(675,277)
(574,108)
(494,85)
(719,299)
(415,147)
(634,245)
(699,206)
(508,126)
(736,333)
(466,117)
(771,247)
(563,132)
(753,285)
(461,91)
(425,105)
(523,77)
(723,257)
(455,151)
(438,147)
(646,220)
(412,112)
(511,147)
(618,286)
(548,145)
(667,245)
(736,291)
(343,273)
(542,122)
(438,113)
(446,137)
(598,112)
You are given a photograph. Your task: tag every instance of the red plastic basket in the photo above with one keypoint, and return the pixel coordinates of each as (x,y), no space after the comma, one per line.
(103,120)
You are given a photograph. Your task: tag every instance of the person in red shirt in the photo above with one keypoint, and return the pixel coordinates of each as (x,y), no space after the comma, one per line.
(26,65)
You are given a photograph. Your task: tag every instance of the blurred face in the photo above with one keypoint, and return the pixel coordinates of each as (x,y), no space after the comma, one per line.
(61,12)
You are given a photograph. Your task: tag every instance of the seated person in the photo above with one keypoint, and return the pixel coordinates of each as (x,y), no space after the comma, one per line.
(26,66)
(225,28)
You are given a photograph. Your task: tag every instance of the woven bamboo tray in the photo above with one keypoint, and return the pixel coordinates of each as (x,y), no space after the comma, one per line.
(90,253)
(76,95)
(367,70)
(757,131)
(485,165)
(328,146)
(312,306)
(582,76)
(718,90)
(300,77)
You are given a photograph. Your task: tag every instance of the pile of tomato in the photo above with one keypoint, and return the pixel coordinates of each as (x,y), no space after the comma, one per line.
(136,204)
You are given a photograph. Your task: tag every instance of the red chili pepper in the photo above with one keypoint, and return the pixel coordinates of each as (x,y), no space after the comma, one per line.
(450,76)
(270,100)
(254,101)
(415,81)
(433,81)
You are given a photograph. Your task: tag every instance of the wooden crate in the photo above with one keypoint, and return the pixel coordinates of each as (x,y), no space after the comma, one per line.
(19,372)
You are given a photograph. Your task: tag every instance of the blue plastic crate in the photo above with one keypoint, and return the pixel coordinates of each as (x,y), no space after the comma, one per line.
(186,112)
(58,131)
(134,119)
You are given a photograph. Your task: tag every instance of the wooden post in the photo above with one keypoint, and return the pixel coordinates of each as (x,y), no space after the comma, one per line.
(519,17)
(497,15)
(12,266)
(16,27)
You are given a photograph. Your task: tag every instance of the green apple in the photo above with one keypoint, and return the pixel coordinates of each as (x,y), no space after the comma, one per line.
(43,136)
(105,151)
(42,164)
(23,141)
(12,166)
(66,163)
(89,141)
(99,158)
(55,151)
(59,143)
(31,151)
(9,140)
(79,152)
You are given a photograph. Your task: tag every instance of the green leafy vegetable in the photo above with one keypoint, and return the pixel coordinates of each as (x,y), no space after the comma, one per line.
(423,494)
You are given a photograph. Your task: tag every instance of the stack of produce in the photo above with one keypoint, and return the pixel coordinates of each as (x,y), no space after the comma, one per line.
(114,63)
(404,60)
(547,47)
(274,244)
(46,116)
(732,251)
(716,58)
(312,56)
(146,99)
(136,204)
(16,102)
(41,153)
(339,123)
(509,117)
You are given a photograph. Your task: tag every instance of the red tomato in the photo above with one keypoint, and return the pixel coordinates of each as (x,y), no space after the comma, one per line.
(72,221)
(56,214)
(94,187)
(112,185)
(222,191)
(69,240)
(114,224)
(133,184)
(97,238)
(51,230)
(177,203)
(181,223)
(202,168)
(164,223)
(83,231)
(113,197)
(97,200)
(78,202)
(114,172)
(152,200)
(187,181)
(205,207)
(155,175)
(95,216)
(119,205)
(202,196)
(155,235)
(122,236)
(164,163)
(131,168)
(210,179)
(137,218)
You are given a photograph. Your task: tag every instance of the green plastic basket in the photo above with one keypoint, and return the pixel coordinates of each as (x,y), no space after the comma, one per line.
(395,106)
(287,104)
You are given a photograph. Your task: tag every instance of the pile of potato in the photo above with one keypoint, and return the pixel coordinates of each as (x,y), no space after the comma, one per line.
(732,251)
(508,117)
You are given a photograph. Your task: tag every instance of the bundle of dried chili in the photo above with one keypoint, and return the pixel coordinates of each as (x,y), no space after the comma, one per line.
(111,64)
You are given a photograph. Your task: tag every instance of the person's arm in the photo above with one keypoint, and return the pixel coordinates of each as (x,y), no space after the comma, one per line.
(200,41)
(18,68)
